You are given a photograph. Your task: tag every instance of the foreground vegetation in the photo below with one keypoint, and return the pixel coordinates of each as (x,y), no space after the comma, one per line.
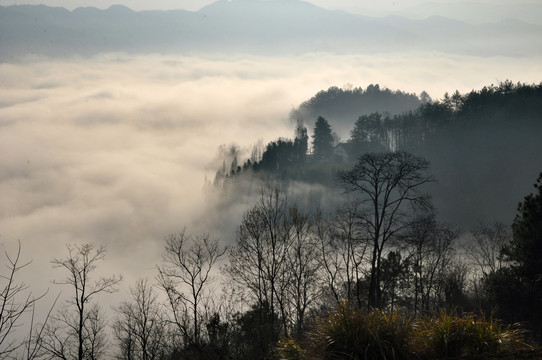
(348,333)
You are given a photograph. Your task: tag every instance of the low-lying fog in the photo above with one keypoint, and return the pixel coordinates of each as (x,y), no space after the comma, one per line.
(115,149)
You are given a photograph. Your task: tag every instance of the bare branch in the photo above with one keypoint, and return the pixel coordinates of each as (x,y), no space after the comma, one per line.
(15,301)
(77,329)
(185,274)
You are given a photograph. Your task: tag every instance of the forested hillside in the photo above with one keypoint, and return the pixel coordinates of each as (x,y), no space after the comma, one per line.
(483,146)
(339,106)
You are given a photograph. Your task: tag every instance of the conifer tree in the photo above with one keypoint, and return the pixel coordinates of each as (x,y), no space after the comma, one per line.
(322,139)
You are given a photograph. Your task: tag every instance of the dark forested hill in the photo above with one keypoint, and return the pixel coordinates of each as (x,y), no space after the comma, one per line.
(342,106)
(483,146)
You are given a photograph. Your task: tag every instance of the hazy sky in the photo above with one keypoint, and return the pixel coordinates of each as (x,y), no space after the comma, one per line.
(389,5)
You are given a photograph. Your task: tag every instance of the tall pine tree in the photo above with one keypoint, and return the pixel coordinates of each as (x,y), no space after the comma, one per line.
(517,290)
(322,139)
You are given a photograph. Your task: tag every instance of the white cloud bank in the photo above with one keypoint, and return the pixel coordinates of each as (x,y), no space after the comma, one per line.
(114,149)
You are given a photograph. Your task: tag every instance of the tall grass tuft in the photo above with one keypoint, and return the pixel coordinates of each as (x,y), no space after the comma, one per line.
(348,334)
(289,349)
(352,334)
(451,335)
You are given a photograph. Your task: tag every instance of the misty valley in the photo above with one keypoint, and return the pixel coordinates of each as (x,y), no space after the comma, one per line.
(270,179)
(384,245)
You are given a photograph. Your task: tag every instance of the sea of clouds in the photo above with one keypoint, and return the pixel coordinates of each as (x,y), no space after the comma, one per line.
(115,149)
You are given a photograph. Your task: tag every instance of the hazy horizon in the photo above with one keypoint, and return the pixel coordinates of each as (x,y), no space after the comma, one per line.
(473,11)
(194,5)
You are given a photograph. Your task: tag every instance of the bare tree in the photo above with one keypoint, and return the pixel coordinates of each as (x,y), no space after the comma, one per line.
(273,209)
(350,236)
(141,329)
(15,300)
(303,261)
(276,262)
(387,185)
(430,254)
(77,329)
(258,262)
(331,258)
(343,246)
(34,343)
(185,275)
(483,251)
(487,243)
(94,331)
(246,267)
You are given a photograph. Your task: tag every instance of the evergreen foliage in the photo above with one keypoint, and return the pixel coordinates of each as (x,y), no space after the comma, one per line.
(526,245)
(322,139)
(341,105)
(517,289)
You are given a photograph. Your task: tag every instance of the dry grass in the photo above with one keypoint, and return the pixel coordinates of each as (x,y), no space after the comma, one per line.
(451,335)
(352,334)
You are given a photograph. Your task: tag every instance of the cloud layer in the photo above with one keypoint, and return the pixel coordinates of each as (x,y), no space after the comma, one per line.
(115,149)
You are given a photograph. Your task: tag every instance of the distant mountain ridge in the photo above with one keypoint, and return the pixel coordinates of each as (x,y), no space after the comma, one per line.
(480,12)
(260,27)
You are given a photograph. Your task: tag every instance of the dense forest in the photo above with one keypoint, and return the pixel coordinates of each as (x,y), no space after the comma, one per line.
(341,105)
(479,144)
(384,275)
